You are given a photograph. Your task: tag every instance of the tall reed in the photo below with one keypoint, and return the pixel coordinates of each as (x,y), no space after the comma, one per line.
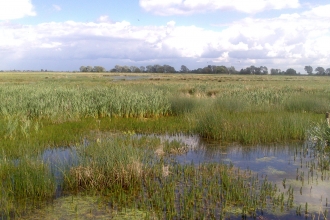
(24,184)
(62,103)
(109,163)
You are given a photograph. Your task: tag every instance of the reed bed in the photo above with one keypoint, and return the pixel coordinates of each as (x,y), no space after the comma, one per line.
(251,117)
(25,183)
(61,103)
(138,173)
(107,164)
(320,135)
(249,128)
(116,168)
(240,111)
(130,174)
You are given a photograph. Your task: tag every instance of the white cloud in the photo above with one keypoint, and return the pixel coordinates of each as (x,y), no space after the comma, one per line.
(320,11)
(55,45)
(14,9)
(57,7)
(172,7)
(103,18)
(287,41)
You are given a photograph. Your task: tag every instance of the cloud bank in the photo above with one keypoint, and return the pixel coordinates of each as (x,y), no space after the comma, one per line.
(184,7)
(287,41)
(14,9)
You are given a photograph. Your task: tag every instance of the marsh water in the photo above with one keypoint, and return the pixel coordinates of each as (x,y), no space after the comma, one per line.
(286,165)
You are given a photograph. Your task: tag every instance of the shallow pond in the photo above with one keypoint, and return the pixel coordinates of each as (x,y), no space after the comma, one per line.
(284,165)
(290,165)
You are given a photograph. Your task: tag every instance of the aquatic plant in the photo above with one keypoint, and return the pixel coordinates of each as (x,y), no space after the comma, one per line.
(24,184)
(251,128)
(39,112)
(62,103)
(107,164)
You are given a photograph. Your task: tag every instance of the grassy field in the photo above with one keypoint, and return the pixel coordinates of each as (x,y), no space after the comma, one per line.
(245,109)
(39,111)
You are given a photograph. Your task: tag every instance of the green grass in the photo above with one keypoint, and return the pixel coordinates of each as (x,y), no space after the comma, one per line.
(248,127)
(129,173)
(41,111)
(58,103)
(316,103)
(24,183)
(109,163)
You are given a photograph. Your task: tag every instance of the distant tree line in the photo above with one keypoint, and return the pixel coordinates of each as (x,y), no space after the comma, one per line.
(210,69)
(319,71)
(92,69)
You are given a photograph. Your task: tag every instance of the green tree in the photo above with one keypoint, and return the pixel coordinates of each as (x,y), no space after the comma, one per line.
(118,68)
(98,69)
(159,68)
(245,71)
(83,69)
(309,70)
(320,70)
(257,71)
(137,70)
(169,69)
(327,71)
(207,70)
(253,69)
(213,68)
(134,69)
(291,71)
(199,70)
(126,69)
(89,69)
(231,70)
(221,70)
(150,69)
(263,70)
(184,69)
(275,71)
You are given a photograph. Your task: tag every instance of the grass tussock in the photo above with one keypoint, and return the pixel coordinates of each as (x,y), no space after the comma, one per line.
(182,105)
(24,183)
(307,104)
(185,191)
(107,164)
(252,128)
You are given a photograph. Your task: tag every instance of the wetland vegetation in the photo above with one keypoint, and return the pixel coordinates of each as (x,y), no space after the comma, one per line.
(116,161)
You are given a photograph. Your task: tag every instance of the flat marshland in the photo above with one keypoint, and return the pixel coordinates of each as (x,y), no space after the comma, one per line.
(100,145)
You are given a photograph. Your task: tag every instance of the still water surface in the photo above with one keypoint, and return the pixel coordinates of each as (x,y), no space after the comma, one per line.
(285,165)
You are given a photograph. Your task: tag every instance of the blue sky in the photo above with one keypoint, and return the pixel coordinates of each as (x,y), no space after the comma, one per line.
(64,35)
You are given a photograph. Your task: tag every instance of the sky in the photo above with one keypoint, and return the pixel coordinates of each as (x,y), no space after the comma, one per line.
(62,35)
